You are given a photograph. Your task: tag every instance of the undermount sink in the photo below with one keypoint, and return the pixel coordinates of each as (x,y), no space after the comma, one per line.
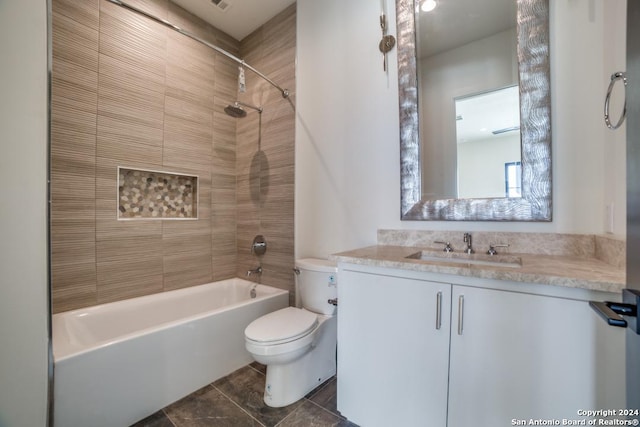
(468,259)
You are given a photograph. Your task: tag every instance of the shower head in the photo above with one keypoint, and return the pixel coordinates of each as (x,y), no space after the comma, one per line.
(237,111)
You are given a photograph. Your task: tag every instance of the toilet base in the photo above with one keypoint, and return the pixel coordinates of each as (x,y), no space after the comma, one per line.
(290,382)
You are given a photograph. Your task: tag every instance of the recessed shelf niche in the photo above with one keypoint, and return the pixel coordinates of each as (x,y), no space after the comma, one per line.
(149,194)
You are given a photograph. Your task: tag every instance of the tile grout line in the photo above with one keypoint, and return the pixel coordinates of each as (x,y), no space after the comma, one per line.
(325,409)
(340,417)
(322,387)
(290,413)
(168,417)
(237,404)
(255,369)
(326,384)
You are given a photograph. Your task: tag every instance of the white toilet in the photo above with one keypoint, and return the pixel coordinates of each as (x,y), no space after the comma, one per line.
(298,345)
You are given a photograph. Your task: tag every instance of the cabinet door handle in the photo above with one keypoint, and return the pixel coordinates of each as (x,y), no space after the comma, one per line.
(460,313)
(439,310)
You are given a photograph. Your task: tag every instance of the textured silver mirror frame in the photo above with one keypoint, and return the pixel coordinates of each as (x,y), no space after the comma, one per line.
(535,112)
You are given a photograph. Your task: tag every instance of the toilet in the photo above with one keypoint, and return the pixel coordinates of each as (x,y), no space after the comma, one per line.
(298,345)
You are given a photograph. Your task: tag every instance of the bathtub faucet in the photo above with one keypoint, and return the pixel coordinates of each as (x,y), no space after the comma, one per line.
(257,271)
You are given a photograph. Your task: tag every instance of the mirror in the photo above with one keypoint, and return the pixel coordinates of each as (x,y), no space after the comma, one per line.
(434,167)
(487,144)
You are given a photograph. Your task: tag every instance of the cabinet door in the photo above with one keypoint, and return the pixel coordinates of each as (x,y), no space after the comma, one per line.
(392,357)
(520,356)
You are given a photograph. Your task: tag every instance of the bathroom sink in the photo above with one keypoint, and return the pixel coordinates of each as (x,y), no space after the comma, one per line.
(468,259)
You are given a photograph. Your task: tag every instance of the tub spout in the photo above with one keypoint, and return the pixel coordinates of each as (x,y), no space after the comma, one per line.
(257,271)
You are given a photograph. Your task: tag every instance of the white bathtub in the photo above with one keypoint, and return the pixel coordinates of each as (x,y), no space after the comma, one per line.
(117,363)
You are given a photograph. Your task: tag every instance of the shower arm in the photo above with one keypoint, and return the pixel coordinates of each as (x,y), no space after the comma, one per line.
(284,92)
(258,109)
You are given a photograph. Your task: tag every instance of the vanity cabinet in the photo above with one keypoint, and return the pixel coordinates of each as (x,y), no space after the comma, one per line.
(393,359)
(523,356)
(498,355)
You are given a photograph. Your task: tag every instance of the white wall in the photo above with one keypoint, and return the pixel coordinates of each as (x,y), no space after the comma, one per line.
(481,165)
(614,147)
(347,139)
(347,149)
(589,160)
(23,224)
(480,66)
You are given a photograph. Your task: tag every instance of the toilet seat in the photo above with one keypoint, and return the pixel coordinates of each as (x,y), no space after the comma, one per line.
(281,326)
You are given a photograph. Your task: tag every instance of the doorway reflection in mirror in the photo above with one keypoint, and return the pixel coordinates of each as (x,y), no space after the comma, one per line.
(487,137)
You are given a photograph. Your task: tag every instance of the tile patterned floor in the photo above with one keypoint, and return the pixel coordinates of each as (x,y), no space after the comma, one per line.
(236,401)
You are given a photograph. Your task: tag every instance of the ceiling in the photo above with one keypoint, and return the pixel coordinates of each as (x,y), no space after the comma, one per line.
(478,116)
(454,23)
(238,18)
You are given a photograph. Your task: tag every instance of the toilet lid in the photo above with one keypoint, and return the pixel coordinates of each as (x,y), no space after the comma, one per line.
(281,326)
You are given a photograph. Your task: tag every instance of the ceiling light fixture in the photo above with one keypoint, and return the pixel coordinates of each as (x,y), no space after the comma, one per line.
(428,5)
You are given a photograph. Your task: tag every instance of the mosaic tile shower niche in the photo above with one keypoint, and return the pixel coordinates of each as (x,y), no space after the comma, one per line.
(146,194)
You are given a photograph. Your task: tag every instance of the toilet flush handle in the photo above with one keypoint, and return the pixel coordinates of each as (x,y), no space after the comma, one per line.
(333,301)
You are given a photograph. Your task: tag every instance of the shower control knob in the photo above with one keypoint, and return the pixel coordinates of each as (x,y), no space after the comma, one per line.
(259,245)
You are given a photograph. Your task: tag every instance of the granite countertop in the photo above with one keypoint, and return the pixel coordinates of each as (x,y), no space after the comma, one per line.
(567,271)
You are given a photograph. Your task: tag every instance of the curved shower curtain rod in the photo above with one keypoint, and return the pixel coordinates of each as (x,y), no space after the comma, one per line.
(284,92)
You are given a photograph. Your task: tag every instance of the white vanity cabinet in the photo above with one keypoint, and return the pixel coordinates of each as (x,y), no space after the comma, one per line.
(523,356)
(498,356)
(393,359)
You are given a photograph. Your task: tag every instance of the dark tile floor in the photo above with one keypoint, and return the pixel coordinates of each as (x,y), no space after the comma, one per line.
(236,401)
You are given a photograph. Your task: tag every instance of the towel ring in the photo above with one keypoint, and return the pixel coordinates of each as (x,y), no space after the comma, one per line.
(619,75)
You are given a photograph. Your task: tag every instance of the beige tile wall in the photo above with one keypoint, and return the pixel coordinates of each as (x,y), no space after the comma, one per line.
(265,161)
(127,91)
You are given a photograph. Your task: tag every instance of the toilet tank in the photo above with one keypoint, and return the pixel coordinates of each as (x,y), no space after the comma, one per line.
(317,282)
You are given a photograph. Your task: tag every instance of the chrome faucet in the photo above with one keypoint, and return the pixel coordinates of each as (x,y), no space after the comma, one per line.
(493,246)
(257,271)
(467,240)
(447,245)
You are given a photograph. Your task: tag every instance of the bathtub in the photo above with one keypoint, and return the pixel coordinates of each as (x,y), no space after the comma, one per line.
(117,363)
